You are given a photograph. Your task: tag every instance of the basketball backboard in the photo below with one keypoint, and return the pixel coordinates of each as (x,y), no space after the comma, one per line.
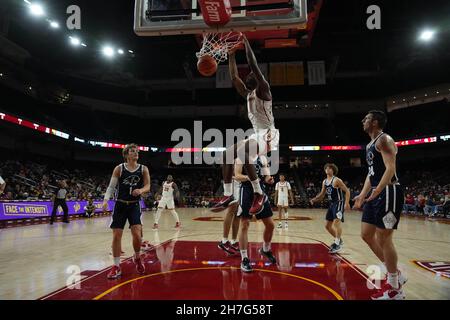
(177,17)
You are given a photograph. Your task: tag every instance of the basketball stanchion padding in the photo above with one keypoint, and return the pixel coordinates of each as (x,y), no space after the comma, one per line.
(216,12)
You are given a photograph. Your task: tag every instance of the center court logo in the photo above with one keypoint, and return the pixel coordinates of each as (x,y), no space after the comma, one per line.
(209,147)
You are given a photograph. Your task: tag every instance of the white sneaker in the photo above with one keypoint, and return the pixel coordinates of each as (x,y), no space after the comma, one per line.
(401,278)
(388,293)
(286,225)
(280,225)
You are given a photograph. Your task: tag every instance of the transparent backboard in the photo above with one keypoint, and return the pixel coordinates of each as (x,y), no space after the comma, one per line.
(175,17)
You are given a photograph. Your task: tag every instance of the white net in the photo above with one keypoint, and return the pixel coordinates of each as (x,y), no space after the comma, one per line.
(217,45)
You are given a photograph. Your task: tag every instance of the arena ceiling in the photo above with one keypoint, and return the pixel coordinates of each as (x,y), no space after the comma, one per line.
(360,62)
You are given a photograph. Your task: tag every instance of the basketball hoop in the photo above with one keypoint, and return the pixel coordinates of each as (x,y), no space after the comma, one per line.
(218,45)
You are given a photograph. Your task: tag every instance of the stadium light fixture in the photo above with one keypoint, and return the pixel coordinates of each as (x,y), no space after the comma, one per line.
(426,35)
(36,10)
(120,51)
(54,24)
(130,51)
(84,45)
(75,41)
(108,51)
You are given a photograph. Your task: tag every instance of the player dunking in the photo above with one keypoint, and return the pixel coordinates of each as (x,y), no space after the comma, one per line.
(282,190)
(133,180)
(245,202)
(168,189)
(266,137)
(334,187)
(381,211)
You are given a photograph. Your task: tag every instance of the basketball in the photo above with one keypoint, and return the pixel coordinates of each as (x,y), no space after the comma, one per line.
(207,65)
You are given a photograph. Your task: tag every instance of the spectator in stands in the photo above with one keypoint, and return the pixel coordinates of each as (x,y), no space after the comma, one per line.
(2,185)
(421,203)
(410,204)
(430,205)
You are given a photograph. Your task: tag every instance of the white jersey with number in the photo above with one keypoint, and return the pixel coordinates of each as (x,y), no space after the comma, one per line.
(260,112)
(283,189)
(167,192)
(283,192)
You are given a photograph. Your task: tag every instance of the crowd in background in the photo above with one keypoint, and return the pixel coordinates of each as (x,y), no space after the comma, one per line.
(425,192)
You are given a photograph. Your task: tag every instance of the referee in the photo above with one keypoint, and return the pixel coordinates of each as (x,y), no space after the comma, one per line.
(60,200)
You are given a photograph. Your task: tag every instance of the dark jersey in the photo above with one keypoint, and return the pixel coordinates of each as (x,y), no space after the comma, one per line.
(375,163)
(333,194)
(130,181)
(258,167)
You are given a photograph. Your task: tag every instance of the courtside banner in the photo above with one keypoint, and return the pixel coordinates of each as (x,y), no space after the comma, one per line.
(34,209)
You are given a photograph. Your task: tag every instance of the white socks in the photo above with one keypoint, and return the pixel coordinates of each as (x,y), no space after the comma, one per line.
(244,254)
(337,241)
(233,241)
(286,216)
(256,186)
(175,215)
(392,279)
(227,189)
(157,215)
(224,240)
(266,246)
(117,261)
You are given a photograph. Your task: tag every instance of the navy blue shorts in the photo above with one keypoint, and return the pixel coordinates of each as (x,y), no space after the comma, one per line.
(335,211)
(384,211)
(245,203)
(123,212)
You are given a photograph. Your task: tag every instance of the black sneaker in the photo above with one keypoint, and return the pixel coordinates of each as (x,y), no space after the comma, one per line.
(224,247)
(222,204)
(269,255)
(332,247)
(246,266)
(336,248)
(234,247)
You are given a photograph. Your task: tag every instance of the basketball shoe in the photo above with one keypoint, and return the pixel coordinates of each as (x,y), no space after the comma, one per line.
(225,247)
(387,292)
(140,267)
(115,272)
(223,203)
(269,255)
(246,266)
(258,203)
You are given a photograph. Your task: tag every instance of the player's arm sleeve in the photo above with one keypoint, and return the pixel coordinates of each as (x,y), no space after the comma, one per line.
(111,188)
(112,183)
(289,186)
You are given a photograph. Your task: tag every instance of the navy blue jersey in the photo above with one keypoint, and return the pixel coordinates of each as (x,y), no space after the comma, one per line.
(375,163)
(334,194)
(258,167)
(130,181)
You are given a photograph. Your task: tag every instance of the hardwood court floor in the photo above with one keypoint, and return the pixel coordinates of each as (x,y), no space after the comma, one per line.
(40,259)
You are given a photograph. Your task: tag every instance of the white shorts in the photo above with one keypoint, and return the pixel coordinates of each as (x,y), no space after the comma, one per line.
(283,202)
(169,203)
(267,139)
